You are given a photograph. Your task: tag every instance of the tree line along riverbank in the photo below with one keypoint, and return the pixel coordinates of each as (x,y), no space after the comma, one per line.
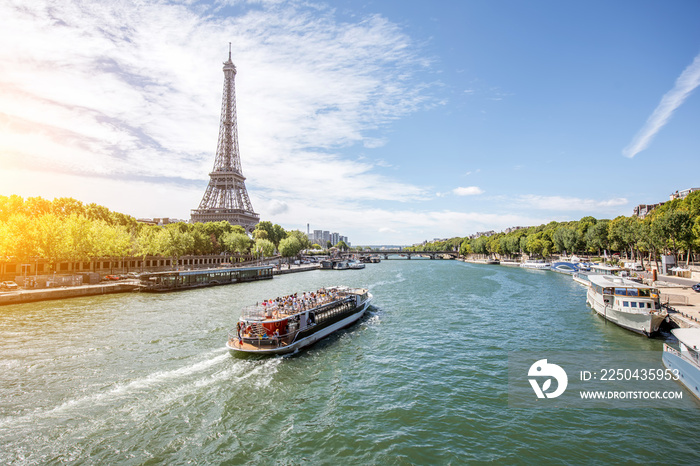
(46,233)
(672,228)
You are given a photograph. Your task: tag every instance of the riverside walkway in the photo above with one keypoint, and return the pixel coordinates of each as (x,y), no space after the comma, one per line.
(45,294)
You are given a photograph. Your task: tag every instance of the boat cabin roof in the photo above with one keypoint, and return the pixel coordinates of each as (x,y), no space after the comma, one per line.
(204,271)
(607,281)
(607,268)
(690,337)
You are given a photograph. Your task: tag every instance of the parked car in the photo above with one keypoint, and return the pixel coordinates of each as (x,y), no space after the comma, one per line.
(111,277)
(9,285)
(696,287)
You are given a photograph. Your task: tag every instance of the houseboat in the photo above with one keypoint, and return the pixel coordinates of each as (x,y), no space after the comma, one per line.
(626,303)
(355,264)
(685,361)
(341,265)
(178,280)
(287,324)
(536,264)
(569,268)
(604,269)
(581,278)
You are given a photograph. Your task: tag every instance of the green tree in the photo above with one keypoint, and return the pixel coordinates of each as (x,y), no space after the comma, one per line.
(173,242)
(275,233)
(301,237)
(264,247)
(675,225)
(289,247)
(596,238)
(236,242)
(566,239)
(261,234)
(53,239)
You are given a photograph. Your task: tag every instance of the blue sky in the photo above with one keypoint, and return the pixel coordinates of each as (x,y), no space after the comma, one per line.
(389,122)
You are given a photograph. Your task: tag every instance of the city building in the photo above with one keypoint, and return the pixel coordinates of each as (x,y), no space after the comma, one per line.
(322,237)
(682,194)
(642,210)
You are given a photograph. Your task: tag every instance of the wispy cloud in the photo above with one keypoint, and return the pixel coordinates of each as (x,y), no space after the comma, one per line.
(132,91)
(467,191)
(685,84)
(561,203)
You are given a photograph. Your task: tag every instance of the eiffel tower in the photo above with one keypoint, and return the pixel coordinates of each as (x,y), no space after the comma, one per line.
(226,197)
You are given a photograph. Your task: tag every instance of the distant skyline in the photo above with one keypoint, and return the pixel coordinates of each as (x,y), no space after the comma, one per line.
(393,122)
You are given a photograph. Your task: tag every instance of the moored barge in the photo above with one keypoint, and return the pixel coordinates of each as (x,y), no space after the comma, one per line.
(178,280)
(287,324)
(626,303)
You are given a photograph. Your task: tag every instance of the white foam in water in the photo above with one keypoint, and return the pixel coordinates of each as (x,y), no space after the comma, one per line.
(399,278)
(260,375)
(124,390)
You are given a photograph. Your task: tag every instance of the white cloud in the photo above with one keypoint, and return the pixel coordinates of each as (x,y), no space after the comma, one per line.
(131,92)
(467,191)
(685,84)
(567,203)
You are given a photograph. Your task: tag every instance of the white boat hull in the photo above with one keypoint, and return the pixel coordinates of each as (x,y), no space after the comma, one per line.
(689,374)
(535,265)
(581,281)
(311,339)
(640,322)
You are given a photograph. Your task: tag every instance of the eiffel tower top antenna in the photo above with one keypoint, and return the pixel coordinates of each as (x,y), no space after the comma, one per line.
(226,197)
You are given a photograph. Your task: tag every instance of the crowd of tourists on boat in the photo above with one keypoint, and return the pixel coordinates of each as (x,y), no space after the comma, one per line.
(294,303)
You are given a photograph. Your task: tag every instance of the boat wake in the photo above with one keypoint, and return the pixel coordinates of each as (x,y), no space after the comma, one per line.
(397,279)
(133,389)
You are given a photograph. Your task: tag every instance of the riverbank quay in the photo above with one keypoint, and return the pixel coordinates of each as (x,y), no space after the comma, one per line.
(47,294)
(681,301)
(123,286)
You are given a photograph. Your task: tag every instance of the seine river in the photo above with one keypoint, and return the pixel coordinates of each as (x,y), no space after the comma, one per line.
(422,379)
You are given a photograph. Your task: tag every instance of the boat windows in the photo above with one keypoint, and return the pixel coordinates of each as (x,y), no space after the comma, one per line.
(632,292)
(607,291)
(634,303)
(625,304)
(644,292)
(621,291)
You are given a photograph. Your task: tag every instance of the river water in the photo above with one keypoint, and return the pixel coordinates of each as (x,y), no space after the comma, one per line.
(422,379)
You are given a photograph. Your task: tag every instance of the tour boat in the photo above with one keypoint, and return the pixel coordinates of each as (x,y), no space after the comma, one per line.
(538,265)
(687,360)
(286,324)
(626,303)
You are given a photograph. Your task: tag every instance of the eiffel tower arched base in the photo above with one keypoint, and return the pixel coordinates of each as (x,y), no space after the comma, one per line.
(235,217)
